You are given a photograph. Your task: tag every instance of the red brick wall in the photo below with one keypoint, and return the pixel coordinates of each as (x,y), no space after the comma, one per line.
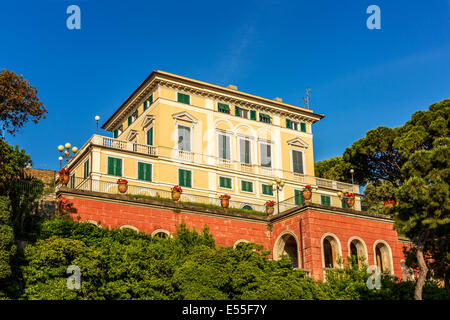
(227,231)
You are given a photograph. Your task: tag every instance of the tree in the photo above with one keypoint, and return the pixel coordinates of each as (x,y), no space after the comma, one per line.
(12,162)
(7,246)
(334,169)
(18,102)
(423,210)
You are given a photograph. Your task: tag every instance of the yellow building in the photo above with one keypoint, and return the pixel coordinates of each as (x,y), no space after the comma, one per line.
(210,140)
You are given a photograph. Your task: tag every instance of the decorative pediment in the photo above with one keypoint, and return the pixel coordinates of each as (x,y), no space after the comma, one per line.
(297,142)
(148,121)
(132,135)
(184,116)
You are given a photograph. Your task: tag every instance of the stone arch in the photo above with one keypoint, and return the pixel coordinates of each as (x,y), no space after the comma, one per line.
(358,248)
(224,124)
(287,243)
(245,130)
(95,223)
(382,255)
(163,233)
(247,206)
(129,226)
(264,133)
(240,241)
(331,250)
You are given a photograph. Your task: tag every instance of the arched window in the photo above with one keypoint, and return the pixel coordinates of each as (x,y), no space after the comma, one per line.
(127,226)
(357,249)
(161,233)
(247,207)
(330,251)
(239,242)
(383,258)
(286,244)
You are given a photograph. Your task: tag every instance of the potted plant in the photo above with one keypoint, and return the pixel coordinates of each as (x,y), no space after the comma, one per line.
(176,193)
(122,185)
(270,206)
(64,176)
(307,193)
(224,200)
(350,199)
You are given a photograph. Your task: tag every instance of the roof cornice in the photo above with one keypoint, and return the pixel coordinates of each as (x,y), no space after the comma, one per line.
(205,89)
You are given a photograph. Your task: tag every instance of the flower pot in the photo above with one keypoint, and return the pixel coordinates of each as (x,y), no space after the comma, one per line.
(176,195)
(270,209)
(64,179)
(224,203)
(350,202)
(307,194)
(123,187)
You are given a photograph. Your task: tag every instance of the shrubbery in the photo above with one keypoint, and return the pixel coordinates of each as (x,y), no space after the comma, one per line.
(123,264)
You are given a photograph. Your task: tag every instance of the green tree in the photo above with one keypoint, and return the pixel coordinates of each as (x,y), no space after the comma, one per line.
(334,169)
(18,102)
(7,245)
(423,210)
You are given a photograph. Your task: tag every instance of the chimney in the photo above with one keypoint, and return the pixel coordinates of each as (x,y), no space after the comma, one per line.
(233,87)
(278,99)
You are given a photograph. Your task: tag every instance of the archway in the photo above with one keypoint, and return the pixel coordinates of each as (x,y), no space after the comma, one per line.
(358,250)
(383,256)
(331,251)
(287,244)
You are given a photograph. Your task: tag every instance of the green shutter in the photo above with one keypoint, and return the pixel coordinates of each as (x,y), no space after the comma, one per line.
(150,100)
(237,111)
(86,169)
(150,136)
(299,199)
(183,98)
(115,166)
(344,203)
(246,186)
(116,133)
(325,200)
(267,190)
(225,182)
(145,105)
(140,171)
(185,178)
(130,120)
(302,127)
(288,123)
(252,115)
(144,171)
(222,107)
(111,166)
(119,167)
(297,159)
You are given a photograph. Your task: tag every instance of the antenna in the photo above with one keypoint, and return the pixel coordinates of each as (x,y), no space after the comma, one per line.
(307,98)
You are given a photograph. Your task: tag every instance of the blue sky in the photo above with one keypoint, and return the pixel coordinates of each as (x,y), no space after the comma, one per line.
(359,78)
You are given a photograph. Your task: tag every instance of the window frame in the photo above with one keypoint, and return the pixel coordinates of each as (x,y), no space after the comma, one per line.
(253,186)
(229,136)
(192,177)
(225,177)
(268,143)
(292,160)
(223,105)
(122,167)
(242,138)
(151,170)
(184,94)
(191,129)
(270,187)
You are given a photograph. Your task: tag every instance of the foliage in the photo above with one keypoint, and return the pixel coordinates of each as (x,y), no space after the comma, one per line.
(18,102)
(375,194)
(12,161)
(334,169)
(7,245)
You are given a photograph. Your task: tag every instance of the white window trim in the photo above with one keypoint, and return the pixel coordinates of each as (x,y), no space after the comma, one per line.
(391,262)
(339,253)
(292,160)
(271,152)
(240,138)
(218,182)
(191,143)
(146,132)
(253,186)
(229,135)
(366,253)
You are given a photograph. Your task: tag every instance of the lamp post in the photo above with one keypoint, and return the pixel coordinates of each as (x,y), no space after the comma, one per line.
(67,154)
(60,160)
(352,171)
(278,185)
(96,119)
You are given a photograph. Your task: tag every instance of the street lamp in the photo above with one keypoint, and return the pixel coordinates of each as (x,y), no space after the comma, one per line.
(96,119)
(277,185)
(60,160)
(67,154)
(352,171)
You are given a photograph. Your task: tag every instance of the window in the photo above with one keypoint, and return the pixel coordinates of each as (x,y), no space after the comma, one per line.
(295,125)
(382,257)
(133,117)
(86,169)
(344,203)
(264,118)
(184,138)
(222,107)
(184,98)
(130,120)
(150,136)
(297,161)
(252,115)
(118,132)
(72,181)
(225,182)
(265,154)
(144,171)
(185,178)
(247,207)
(329,252)
(244,150)
(224,147)
(267,190)
(325,200)
(243,113)
(114,167)
(148,102)
(298,197)
(246,186)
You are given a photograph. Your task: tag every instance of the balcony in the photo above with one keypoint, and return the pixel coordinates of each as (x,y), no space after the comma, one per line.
(236,167)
